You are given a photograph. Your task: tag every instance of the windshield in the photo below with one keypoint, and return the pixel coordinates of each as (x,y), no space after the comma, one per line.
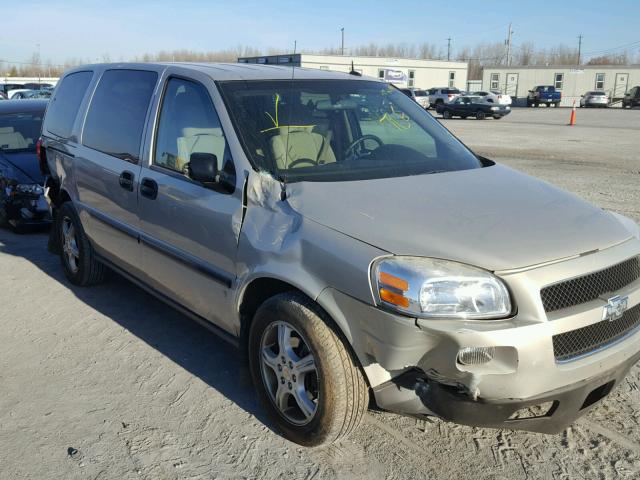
(420,93)
(19,131)
(335,130)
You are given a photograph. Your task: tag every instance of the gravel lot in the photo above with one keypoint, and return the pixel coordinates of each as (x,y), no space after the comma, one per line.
(108,383)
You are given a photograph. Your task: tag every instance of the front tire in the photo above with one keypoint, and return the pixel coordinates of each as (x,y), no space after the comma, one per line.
(76,253)
(305,376)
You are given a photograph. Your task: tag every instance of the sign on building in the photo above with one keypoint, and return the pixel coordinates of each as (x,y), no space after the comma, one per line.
(395,76)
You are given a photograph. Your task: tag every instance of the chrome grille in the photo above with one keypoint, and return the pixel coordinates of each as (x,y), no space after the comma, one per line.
(591,286)
(572,344)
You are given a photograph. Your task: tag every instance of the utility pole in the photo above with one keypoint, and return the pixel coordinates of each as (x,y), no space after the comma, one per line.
(449,48)
(342,48)
(579,47)
(509,34)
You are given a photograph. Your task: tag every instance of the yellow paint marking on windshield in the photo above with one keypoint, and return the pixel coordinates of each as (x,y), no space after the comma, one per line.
(395,122)
(276,123)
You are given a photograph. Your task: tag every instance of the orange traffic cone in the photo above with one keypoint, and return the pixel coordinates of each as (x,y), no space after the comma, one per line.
(572,119)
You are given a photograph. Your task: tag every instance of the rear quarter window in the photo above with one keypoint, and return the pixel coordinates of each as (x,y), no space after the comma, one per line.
(117,113)
(63,107)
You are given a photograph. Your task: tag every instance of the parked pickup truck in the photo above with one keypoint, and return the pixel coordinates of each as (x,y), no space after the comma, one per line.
(544,94)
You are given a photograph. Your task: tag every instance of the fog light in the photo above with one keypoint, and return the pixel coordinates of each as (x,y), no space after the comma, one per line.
(475,355)
(545,409)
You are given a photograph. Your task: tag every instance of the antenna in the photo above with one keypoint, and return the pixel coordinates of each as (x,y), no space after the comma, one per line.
(283,192)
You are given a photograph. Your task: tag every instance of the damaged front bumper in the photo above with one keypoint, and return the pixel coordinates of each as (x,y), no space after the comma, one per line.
(27,210)
(414,393)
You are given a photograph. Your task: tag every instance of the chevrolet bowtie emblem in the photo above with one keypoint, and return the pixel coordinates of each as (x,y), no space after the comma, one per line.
(615,308)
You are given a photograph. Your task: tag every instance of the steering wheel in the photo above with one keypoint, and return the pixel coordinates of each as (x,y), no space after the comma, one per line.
(302,160)
(360,140)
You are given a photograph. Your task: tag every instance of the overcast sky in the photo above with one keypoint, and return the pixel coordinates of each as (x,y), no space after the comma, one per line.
(122,29)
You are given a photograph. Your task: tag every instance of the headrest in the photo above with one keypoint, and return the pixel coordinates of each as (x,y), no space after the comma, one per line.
(193,131)
(284,130)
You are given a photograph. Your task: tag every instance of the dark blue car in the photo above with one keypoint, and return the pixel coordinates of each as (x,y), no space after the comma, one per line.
(22,201)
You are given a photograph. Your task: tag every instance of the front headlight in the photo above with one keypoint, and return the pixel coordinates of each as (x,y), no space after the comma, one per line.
(495,108)
(433,288)
(30,189)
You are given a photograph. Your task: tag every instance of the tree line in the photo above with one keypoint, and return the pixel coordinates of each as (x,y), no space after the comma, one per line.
(478,56)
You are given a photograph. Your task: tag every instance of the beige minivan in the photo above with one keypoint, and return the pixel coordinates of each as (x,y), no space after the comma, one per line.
(331,228)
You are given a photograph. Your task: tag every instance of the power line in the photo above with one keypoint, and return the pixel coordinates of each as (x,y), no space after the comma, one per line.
(612,49)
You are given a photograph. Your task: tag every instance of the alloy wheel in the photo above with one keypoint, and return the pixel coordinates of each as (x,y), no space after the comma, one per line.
(289,373)
(70,245)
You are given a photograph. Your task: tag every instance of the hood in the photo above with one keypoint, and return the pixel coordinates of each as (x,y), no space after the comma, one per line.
(23,166)
(492,217)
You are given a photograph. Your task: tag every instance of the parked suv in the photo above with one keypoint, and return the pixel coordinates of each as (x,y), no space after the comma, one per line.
(418,95)
(346,241)
(438,96)
(631,98)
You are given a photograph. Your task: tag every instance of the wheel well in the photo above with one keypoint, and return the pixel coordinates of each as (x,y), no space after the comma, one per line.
(255,294)
(57,196)
(64,197)
(260,290)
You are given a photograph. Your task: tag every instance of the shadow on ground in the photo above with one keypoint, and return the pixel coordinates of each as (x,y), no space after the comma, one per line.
(186,343)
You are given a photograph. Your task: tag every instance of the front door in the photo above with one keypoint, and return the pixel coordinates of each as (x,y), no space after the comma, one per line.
(511,86)
(187,239)
(621,85)
(107,169)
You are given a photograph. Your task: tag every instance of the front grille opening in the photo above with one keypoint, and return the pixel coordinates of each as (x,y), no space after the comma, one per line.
(583,341)
(598,394)
(541,410)
(591,286)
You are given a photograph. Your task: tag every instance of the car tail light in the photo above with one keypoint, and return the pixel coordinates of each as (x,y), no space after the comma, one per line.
(42,157)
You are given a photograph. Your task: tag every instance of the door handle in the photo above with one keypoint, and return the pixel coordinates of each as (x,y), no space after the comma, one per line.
(149,188)
(126,180)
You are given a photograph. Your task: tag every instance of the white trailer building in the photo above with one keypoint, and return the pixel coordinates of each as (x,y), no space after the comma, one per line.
(402,72)
(572,81)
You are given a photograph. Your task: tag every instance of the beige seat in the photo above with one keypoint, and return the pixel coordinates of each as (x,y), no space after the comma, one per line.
(200,140)
(12,140)
(302,144)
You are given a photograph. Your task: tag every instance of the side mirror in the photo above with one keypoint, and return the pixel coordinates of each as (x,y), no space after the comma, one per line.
(203,167)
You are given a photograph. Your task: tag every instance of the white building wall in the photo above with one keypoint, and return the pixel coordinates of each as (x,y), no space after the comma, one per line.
(576,81)
(51,80)
(427,73)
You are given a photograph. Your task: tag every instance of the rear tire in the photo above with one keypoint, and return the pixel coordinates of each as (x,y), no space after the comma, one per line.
(76,253)
(309,410)
(480,115)
(446,114)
